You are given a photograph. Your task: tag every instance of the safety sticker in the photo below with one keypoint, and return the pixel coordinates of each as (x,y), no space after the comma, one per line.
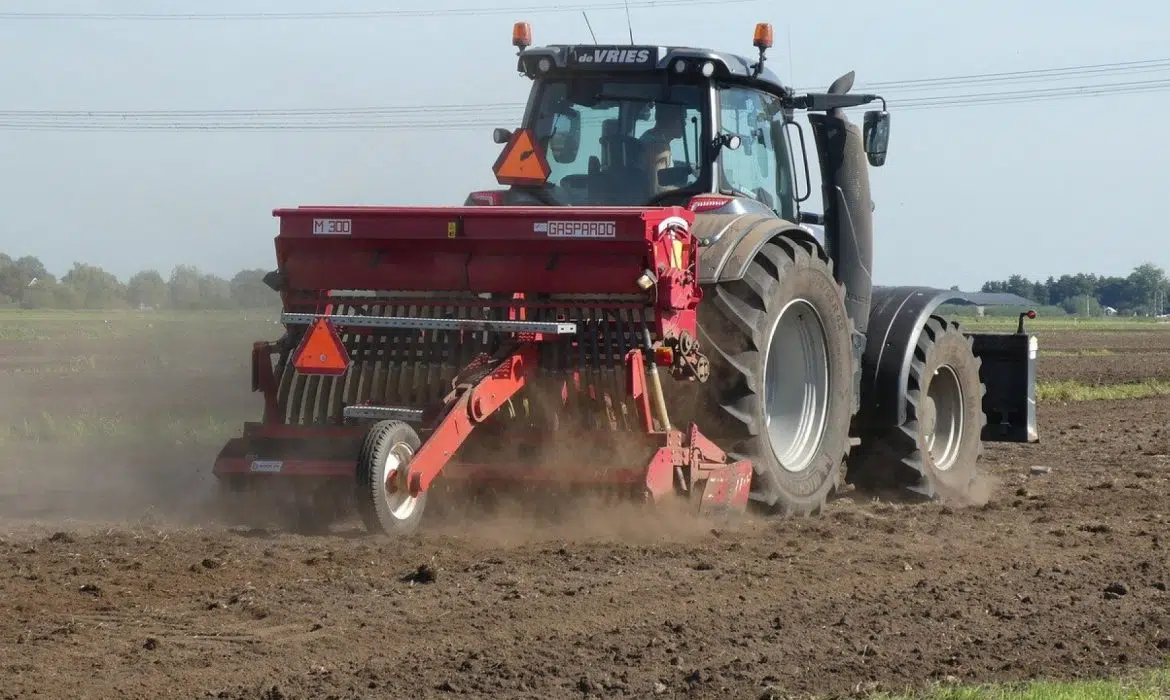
(577,229)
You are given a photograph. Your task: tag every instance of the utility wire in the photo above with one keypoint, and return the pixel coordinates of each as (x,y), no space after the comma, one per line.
(356,14)
(1029,75)
(901,86)
(463,117)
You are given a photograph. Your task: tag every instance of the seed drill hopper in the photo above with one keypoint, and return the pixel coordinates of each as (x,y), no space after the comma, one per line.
(644,305)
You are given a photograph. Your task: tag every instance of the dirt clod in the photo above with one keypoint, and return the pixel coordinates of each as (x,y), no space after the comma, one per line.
(423,574)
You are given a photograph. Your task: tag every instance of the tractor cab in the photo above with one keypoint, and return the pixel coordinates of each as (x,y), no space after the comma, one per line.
(652,126)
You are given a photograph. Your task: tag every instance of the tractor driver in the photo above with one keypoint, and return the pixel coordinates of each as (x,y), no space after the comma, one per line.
(669,125)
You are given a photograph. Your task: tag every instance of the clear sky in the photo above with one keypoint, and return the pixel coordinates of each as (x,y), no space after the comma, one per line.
(968,193)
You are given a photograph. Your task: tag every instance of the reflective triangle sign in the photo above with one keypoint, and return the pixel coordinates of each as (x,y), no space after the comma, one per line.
(521,162)
(321,351)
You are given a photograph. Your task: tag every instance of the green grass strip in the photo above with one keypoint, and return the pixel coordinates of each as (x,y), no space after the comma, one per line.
(1151,686)
(1078,391)
(1100,352)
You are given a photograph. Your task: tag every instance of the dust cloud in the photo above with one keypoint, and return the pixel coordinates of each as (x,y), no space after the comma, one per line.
(119,423)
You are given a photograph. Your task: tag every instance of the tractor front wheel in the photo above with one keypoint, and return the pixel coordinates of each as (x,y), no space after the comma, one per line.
(385,454)
(935,452)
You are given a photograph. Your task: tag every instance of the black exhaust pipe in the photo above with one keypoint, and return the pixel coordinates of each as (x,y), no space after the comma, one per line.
(848,208)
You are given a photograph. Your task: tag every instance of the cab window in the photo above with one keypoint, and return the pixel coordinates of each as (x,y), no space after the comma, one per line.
(619,141)
(760,168)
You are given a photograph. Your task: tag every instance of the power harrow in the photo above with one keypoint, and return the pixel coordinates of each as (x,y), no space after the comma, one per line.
(622,317)
(575,355)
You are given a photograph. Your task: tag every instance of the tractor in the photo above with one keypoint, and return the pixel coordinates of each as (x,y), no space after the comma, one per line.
(650,221)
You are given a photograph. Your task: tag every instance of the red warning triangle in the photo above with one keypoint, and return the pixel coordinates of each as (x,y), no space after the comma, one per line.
(321,351)
(521,162)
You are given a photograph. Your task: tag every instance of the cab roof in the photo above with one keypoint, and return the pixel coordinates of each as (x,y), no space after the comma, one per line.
(618,58)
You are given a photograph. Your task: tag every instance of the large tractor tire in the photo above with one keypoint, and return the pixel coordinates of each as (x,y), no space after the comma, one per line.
(935,453)
(782,373)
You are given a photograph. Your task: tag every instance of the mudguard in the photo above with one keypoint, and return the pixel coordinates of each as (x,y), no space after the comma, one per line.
(732,240)
(1008,365)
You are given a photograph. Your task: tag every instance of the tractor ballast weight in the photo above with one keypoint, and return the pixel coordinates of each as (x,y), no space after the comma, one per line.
(669,332)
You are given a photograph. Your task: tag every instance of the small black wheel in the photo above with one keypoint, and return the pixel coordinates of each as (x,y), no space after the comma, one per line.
(386,452)
(935,453)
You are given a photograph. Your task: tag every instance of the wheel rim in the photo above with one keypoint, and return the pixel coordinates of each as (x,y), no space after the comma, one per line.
(944,432)
(399,503)
(796,385)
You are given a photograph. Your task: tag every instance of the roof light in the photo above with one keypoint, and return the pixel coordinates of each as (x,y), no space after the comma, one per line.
(763,36)
(708,69)
(680,66)
(522,35)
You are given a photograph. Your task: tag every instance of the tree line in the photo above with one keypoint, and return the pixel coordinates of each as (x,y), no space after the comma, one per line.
(1142,293)
(25,283)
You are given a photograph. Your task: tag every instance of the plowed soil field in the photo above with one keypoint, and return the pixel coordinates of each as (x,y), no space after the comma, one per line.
(116,583)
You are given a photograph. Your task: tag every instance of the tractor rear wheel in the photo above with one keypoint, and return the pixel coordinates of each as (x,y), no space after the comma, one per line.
(935,452)
(385,454)
(782,373)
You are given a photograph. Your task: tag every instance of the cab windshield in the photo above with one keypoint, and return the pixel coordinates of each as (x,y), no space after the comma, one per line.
(619,142)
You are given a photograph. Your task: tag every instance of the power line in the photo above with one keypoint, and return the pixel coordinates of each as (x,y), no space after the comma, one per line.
(1061,73)
(909,85)
(355,14)
(461,117)
(472,123)
(1036,95)
(309,111)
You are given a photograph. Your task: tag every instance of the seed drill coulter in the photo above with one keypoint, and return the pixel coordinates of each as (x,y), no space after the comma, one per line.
(644,305)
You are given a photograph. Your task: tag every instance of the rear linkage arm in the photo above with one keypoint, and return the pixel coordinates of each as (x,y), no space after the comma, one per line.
(481,389)
(488,383)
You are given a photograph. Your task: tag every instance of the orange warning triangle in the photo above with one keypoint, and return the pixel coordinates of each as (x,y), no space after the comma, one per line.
(321,351)
(521,162)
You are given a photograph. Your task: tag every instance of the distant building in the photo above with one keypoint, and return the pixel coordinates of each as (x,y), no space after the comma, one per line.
(981,300)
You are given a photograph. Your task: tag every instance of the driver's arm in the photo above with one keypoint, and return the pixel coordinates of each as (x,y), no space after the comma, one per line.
(658,157)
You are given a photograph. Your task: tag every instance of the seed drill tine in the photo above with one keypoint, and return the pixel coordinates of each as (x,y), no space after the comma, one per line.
(353,378)
(381,360)
(598,387)
(623,347)
(402,360)
(409,361)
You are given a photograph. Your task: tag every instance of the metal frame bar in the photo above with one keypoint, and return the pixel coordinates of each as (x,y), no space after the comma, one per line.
(434,324)
(406,415)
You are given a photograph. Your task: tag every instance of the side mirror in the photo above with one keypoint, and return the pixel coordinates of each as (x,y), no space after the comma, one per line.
(731,142)
(566,136)
(501,136)
(876,134)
